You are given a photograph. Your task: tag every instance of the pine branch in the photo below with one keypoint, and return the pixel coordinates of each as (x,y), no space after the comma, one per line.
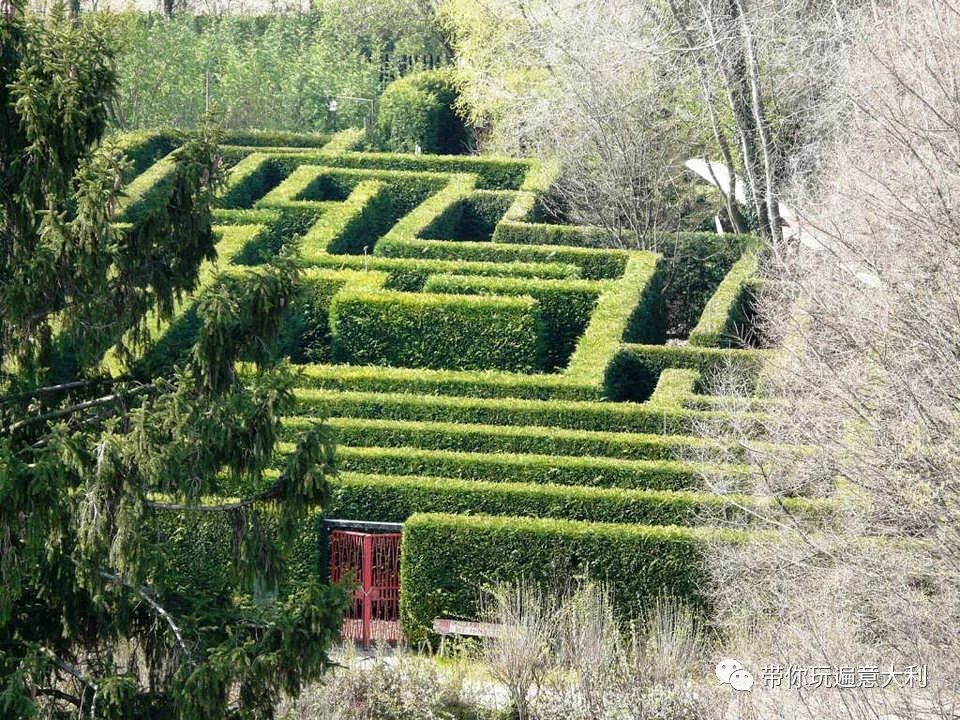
(271,493)
(70,410)
(147,595)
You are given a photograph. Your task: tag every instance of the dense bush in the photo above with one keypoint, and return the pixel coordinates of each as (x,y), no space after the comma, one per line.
(595,264)
(694,265)
(173,69)
(417,111)
(437,331)
(467,437)
(628,307)
(565,305)
(446,559)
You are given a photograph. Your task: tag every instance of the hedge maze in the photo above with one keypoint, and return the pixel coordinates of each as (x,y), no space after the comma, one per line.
(480,364)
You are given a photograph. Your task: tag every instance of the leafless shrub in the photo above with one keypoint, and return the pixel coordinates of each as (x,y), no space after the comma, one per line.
(868,383)
(397,685)
(524,651)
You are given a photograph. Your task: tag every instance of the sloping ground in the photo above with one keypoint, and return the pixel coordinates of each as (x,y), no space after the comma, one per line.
(479,365)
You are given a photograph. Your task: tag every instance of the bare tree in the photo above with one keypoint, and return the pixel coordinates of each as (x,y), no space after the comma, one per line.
(868,383)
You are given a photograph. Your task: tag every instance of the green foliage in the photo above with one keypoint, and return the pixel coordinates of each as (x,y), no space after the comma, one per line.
(565,305)
(570,414)
(722,321)
(529,468)
(594,264)
(87,465)
(694,264)
(437,331)
(417,110)
(447,559)
(635,369)
(474,438)
(475,383)
(394,498)
(232,63)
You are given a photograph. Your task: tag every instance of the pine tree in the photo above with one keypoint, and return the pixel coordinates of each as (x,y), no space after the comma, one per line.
(104,610)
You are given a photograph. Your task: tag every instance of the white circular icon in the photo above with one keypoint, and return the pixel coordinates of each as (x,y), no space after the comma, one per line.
(741,680)
(726,668)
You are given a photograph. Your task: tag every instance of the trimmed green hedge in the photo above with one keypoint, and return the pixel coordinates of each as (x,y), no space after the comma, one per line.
(595,264)
(410,275)
(275,138)
(394,498)
(437,331)
(722,321)
(417,110)
(627,308)
(694,265)
(565,305)
(538,469)
(144,147)
(570,414)
(493,173)
(249,180)
(528,233)
(634,371)
(466,437)
(447,559)
(471,383)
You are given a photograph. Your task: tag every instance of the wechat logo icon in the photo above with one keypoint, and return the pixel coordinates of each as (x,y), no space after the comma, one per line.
(731,672)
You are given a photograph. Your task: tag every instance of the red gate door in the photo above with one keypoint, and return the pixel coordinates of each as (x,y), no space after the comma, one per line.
(371,561)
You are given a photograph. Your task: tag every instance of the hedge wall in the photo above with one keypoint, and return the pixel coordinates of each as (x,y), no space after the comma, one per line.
(594,264)
(628,307)
(437,331)
(446,559)
(249,180)
(411,274)
(493,173)
(537,469)
(570,414)
(722,321)
(565,305)
(471,383)
(468,437)
(417,110)
(635,369)
(394,498)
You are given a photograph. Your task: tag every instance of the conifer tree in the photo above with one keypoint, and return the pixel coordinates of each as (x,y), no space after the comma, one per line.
(106,481)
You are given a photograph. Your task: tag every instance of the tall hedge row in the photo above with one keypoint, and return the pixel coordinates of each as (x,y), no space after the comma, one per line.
(437,331)
(447,559)
(394,498)
(565,305)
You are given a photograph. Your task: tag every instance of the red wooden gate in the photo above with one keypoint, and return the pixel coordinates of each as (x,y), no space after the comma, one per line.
(372,562)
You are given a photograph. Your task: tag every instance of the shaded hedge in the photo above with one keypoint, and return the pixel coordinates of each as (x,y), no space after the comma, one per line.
(722,323)
(468,437)
(634,371)
(470,383)
(570,414)
(528,468)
